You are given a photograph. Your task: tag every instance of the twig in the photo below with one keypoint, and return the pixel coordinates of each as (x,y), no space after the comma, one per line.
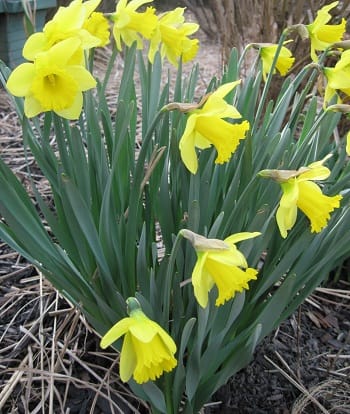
(298,385)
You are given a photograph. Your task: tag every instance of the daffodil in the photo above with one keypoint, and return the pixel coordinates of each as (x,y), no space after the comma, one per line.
(131,26)
(172,35)
(219,263)
(147,350)
(284,61)
(66,23)
(98,26)
(323,35)
(338,78)
(208,125)
(347,148)
(51,83)
(299,191)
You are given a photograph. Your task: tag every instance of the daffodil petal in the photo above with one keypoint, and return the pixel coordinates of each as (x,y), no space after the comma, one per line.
(20,79)
(32,106)
(231,257)
(90,6)
(286,218)
(168,341)
(317,173)
(73,112)
(128,359)
(201,281)
(117,330)
(287,211)
(61,52)
(144,330)
(187,146)
(331,33)
(216,106)
(225,89)
(36,43)
(83,77)
(235,238)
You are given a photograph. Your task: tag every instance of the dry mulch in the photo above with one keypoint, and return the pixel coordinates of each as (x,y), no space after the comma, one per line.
(50,360)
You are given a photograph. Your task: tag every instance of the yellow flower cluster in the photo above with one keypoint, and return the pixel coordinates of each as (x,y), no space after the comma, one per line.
(55,76)
(148,350)
(168,32)
(321,36)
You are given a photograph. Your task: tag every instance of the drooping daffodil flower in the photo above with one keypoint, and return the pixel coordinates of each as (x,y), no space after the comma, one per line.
(171,35)
(219,263)
(284,61)
(52,82)
(323,35)
(147,349)
(207,124)
(338,78)
(299,191)
(98,26)
(132,26)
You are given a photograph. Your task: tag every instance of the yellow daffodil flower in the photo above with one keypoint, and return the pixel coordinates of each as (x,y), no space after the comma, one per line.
(321,34)
(130,25)
(51,83)
(300,192)
(98,26)
(66,23)
(172,34)
(347,148)
(219,262)
(338,78)
(284,61)
(147,349)
(206,126)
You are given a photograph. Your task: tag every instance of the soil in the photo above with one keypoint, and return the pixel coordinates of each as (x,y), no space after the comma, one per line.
(50,360)
(303,367)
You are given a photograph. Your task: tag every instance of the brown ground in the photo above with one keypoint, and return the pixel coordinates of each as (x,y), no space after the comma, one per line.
(50,361)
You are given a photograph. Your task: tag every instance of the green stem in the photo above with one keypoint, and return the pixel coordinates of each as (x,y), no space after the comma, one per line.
(267,84)
(168,395)
(109,70)
(169,278)
(135,198)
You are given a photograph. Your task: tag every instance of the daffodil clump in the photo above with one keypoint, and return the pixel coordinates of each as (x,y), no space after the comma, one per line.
(131,179)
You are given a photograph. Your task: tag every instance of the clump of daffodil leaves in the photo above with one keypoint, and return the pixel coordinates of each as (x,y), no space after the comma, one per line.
(188,240)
